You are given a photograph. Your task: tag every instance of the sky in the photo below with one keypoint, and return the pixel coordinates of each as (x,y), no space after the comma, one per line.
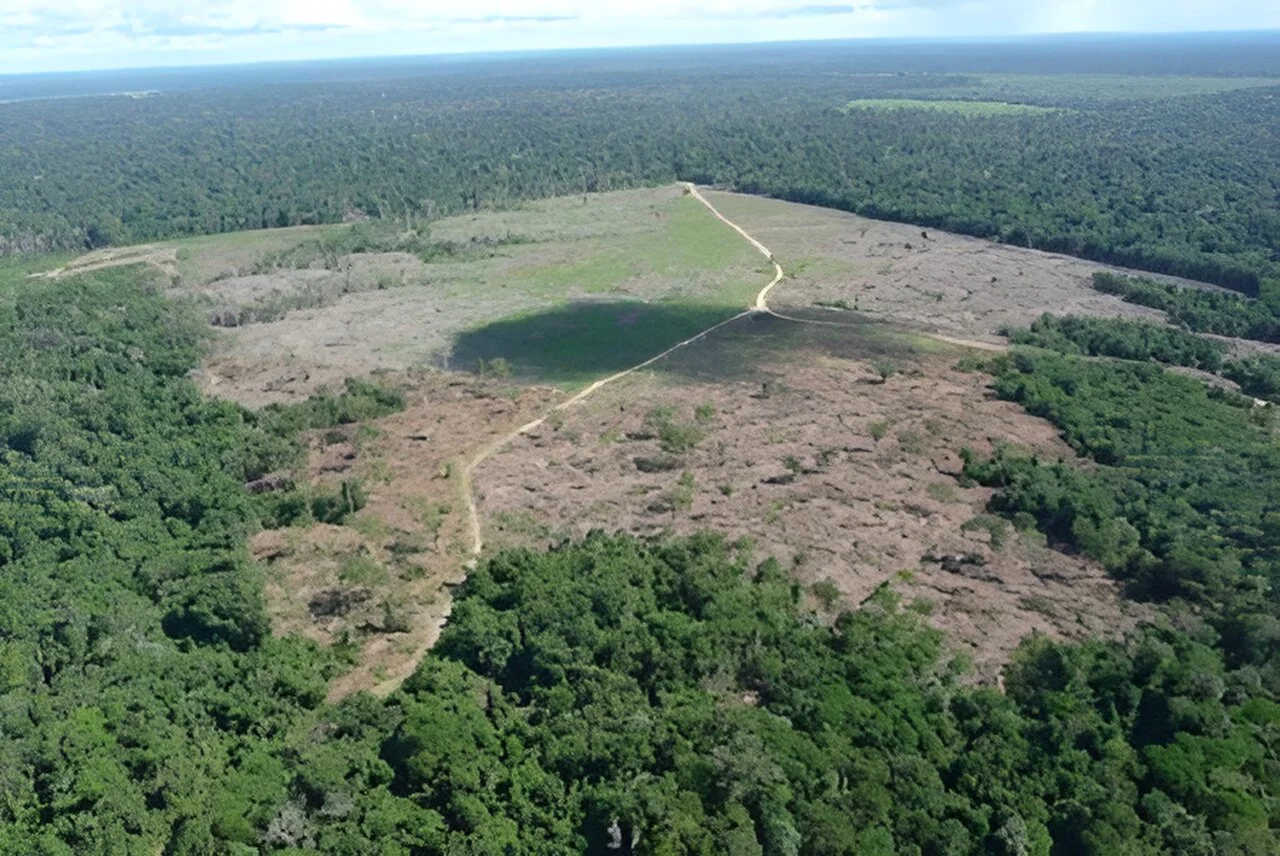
(61,35)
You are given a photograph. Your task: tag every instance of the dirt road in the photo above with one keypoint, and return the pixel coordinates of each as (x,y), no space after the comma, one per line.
(164,259)
(761,305)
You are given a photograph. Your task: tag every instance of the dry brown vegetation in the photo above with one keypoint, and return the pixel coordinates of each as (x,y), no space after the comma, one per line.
(366,312)
(832,448)
(845,477)
(933,281)
(380,582)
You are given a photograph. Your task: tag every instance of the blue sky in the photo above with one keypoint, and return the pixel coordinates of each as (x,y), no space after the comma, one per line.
(55,35)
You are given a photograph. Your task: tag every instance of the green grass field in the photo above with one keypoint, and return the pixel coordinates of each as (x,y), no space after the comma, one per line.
(612,301)
(563,290)
(206,257)
(691,248)
(1101,87)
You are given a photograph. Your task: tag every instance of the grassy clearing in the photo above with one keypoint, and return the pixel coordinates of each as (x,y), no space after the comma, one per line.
(688,250)
(646,244)
(674,250)
(616,301)
(16,269)
(207,257)
(710,274)
(964,108)
(1102,87)
(623,274)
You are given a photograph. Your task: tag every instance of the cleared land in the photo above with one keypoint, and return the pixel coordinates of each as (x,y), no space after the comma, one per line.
(839,264)
(789,437)
(832,447)
(966,108)
(379,584)
(550,290)
(564,290)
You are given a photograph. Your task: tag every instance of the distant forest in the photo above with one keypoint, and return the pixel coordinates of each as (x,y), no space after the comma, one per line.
(672,696)
(1171,174)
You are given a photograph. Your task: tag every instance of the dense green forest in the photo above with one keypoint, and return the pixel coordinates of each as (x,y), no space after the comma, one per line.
(611,696)
(1126,340)
(143,700)
(1173,177)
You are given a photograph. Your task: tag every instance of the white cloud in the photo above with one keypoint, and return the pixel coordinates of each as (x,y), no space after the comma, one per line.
(43,35)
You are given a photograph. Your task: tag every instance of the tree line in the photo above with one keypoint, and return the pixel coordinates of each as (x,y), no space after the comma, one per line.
(1199,310)
(1258,376)
(145,705)
(1179,184)
(615,695)
(1122,339)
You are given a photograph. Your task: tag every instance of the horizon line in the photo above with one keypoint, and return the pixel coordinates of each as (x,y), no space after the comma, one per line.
(551,51)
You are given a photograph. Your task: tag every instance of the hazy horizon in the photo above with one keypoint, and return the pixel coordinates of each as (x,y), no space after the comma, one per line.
(39,36)
(214,63)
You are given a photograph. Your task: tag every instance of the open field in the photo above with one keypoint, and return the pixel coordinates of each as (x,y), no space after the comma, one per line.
(832,447)
(564,290)
(936,282)
(804,450)
(964,108)
(633,269)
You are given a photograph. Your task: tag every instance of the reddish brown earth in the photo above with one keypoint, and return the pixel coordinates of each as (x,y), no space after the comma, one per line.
(380,582)
(800,445)
(801,474)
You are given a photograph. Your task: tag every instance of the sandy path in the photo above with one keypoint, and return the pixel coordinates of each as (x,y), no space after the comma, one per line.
(761,305)
(762,299)
(466,486)
(163,259)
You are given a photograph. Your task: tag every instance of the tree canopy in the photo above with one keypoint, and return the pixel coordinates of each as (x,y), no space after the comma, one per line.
(1171,177)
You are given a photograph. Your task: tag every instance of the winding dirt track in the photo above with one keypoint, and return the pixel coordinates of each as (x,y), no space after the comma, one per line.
(761,305)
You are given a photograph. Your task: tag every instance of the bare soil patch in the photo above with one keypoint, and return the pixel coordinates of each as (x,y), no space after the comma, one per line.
(833,473)
(379,584)
(935,281)
(391,311)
